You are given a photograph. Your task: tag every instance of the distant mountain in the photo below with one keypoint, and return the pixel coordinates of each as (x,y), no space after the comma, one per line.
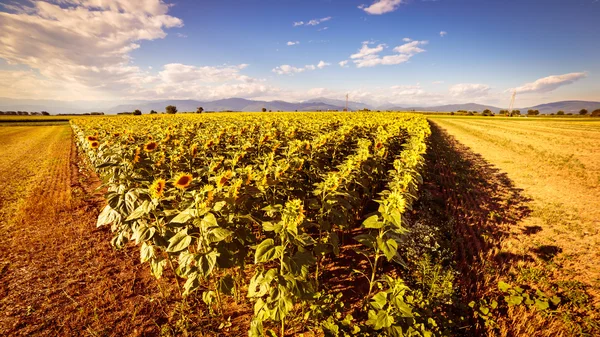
(567,106)
(449,107)
(341,103)
(241,104)
(229,104)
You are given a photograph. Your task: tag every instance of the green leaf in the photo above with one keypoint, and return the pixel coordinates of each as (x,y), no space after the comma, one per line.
(366,239)
(503,286)
(389,248)
(140,212)
(184,216)
(514,300)
(373,222)
(542,305)
(379,300)
(209,221)
(207,262)
(108,216)
(267,251)
(226,285)
(192,283)
(179,241)
(218,234)
(380,319)
(146,252)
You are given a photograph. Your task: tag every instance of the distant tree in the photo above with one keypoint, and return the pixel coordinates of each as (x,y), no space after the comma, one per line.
(1,112)
(583,112)
(451,113)
(264,109)
(596,113)
(560,113)
(137,112)
(270,110)
(504,112)
(515,113)
(487,112)
(199,110)
(45,113)
(470,113)
(532,112)
(552,114)
(570,114)
(171,109)
(153,112)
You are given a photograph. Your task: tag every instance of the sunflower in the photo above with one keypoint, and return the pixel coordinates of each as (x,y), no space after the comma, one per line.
(194,150)
(94,144)
(224,178)
(150,146)
(136,156)
(157,188)
(183,181)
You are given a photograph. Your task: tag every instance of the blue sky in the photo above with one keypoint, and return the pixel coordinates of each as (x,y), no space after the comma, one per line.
(149,49)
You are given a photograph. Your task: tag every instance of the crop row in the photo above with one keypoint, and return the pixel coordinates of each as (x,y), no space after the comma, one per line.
(217,197)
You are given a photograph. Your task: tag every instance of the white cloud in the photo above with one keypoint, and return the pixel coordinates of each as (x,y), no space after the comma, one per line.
(181,35)
(381,6)
(437,82)
(469,90)
(323,64)
(312,22)
(369,57)
(343,64)
(406,39)
(83,44)
(443,33)
(291,43)
(365,50)
(315,22)
(322,29)
(549,83)
(411,48)
(181,73)
(287,69)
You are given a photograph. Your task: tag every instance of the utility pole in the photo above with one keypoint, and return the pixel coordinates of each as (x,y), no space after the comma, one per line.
(512,103)
(346,109)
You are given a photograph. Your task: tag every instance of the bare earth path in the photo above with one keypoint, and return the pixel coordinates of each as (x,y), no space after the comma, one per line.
(556,247)
(58,274)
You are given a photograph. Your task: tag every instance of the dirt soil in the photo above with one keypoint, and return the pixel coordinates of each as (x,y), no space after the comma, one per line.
(525,214)
(58,274)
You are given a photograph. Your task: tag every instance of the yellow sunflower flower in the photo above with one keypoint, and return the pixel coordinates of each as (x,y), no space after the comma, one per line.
(157,188)
(150,146)
(183,181)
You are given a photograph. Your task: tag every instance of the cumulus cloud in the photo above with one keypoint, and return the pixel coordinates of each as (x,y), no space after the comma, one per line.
(411,48)
(312,22)
(406,39)
(369,57)
(549,83)
(443,33)
(365,50)
(291,43)
(381,6)
(469,90)
(287,69)
(343,64)
(323,64)
(83,43)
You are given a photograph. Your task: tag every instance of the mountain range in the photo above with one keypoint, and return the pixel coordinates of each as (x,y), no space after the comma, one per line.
(241,104)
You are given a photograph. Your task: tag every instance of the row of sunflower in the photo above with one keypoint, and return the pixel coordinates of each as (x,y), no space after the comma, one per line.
(216,196)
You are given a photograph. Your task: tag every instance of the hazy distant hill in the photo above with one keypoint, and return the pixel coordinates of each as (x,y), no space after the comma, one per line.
(340,103)
(567,106)
(450,107)
(229,104)
(241,104)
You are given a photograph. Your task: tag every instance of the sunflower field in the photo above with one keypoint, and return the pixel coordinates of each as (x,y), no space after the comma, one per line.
(256,206)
